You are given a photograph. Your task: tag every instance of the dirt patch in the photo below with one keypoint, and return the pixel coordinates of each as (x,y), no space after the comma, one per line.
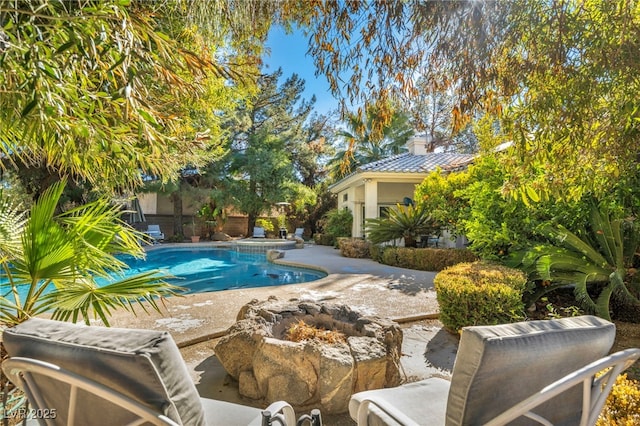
(628,336)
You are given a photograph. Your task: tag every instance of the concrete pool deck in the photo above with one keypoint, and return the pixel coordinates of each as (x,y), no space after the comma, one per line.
(365,285)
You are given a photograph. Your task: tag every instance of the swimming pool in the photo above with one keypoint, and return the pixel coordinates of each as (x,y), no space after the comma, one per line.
(215,269)
(203,269)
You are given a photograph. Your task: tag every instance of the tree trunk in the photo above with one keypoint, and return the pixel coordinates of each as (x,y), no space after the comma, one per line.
(176,199)
(409,241)
(252,222)
(252,215)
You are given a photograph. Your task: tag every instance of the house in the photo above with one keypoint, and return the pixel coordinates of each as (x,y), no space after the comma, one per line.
(158,208)
(376,187)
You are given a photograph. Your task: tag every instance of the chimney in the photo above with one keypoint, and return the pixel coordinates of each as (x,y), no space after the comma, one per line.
(417,145)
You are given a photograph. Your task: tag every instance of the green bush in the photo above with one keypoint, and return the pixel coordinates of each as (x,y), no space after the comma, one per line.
(479,293)
(434,259)
(267,224)
(424,259)
(324,239)
(376,251)
(354,247)
(473,203)
(339,223)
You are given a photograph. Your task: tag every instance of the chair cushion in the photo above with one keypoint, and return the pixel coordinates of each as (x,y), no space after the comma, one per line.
(145,365)
(425,402)
(498,366)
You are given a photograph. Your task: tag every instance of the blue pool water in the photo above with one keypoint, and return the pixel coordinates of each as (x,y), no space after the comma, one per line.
(211,269)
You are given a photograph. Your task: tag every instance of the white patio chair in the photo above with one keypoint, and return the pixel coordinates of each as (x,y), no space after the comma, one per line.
(98,375)
(298,233)
(529,373)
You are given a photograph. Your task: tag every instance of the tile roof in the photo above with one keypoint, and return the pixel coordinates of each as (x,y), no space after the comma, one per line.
(410,163)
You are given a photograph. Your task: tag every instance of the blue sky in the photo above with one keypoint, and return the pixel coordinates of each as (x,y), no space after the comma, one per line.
(288,51)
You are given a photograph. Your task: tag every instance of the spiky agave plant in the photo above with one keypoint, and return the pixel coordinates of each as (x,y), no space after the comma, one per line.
(601,258)
(55,259)
(403,222)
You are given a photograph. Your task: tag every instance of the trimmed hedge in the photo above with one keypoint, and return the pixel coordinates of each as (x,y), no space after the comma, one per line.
(324,239)
(479,293)
(375,251)
(354,247)
(423,259)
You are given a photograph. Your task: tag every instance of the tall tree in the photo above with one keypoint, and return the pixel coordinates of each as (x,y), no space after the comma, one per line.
(266,133)
(310,162)
(367,139)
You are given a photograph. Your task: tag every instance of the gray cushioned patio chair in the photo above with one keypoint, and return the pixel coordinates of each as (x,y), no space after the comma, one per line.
(154,232)
(258,232)
(89,373)
(504,374)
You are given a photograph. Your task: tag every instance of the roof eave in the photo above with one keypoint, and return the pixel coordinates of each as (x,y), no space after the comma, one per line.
(358,177)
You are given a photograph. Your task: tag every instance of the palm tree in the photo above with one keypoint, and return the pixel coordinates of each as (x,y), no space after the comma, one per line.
(403,222)
(365,142)
(57,257)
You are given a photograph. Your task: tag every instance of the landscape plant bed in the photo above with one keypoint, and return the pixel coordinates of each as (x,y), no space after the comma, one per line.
(562,303)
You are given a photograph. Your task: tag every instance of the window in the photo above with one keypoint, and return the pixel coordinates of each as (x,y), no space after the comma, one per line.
(384,211)
(345,197)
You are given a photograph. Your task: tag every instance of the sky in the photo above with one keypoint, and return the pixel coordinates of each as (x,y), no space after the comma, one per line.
(288,51)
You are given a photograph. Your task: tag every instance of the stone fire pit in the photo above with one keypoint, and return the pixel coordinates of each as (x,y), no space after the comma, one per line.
(309,373)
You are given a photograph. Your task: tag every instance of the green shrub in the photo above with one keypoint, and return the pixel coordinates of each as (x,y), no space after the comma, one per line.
(376,251)
(479,293)
(324,239)
(354,247)
(426,259)
(390,256)
(339,223)
(434,259)
(267,224)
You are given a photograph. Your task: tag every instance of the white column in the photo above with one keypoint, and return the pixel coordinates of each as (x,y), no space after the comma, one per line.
(356,227)
(370,199)
(353,206)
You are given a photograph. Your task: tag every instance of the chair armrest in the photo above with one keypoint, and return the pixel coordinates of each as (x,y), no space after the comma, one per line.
(595,390)
(278,407)
(385,406)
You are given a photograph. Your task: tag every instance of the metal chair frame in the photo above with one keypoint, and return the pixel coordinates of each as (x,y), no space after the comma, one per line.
(595,390)
(22,371)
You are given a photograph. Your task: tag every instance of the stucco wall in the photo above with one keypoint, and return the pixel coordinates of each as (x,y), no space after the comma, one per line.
(394,193)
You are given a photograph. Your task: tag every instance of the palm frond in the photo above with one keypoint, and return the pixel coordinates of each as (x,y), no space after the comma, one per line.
(85,297)
(550,264)
(407,223)
(603,231)
(70,250)
(577,262)
(568,239)
(12,221)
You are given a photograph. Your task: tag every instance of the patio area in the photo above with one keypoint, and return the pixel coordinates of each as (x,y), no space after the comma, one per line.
(196,321)
(403,295)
